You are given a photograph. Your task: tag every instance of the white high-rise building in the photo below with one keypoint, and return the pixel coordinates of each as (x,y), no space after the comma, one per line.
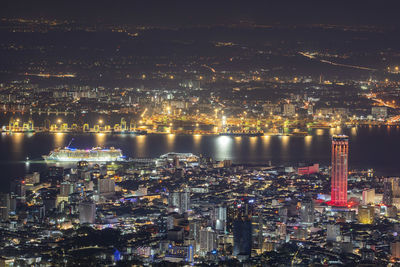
(208,240)
(179,201)
(368,196)
(307,211)
(219,218)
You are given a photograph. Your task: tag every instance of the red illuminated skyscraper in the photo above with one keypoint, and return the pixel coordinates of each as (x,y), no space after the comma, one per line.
(340,152)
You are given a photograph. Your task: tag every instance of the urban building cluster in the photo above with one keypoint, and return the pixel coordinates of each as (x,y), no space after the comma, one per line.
(189,209)
(94,85)
(190,107)
(97,207)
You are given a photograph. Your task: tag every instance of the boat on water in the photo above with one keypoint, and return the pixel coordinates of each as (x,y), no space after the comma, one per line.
(96,154)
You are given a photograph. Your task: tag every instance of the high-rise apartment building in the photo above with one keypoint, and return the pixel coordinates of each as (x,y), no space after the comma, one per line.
(307,211)
(368,196)
(4,206)
(179,201)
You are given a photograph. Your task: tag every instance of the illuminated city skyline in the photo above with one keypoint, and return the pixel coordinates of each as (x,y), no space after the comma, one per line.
(199,133)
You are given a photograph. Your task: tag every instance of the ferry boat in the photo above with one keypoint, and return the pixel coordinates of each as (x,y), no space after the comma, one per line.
(98,154)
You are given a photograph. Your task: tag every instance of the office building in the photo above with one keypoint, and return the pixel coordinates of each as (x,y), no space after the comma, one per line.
(4,206)
(368,196)
(366,214)
(333,232)
(243,231)
(179,254)
(32,179)
(281,230)
(395,249)
(87,212)
(66,188)
(289,110)
(339,172)
(106,186)
(179,201)
(307,211)
(391,191)
(208,240)
(219,218)
(257,231)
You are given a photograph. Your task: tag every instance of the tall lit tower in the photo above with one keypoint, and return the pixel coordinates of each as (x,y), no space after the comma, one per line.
(340,152)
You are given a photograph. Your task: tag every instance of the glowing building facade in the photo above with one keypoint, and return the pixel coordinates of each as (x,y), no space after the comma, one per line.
(366,214)
(340,152)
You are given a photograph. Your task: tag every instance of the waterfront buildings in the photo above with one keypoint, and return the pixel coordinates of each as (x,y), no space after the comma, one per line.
(379,112)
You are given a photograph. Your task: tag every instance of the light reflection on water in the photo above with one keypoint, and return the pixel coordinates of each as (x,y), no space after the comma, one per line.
(100,139)
(266,140)
(197,141)
(353,131)
(170,142)
(223,147)
(319,132)
(59,140)
(17,140)
(140,145)
(370,147)
(308,141)
(238,142)
(285,146)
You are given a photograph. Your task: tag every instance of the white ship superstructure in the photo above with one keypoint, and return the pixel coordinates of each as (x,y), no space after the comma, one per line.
(94,154)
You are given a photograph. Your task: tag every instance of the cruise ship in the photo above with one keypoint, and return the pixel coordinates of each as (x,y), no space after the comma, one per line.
(95,154)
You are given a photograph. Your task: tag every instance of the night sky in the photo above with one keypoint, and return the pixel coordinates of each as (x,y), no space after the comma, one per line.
(181,13)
